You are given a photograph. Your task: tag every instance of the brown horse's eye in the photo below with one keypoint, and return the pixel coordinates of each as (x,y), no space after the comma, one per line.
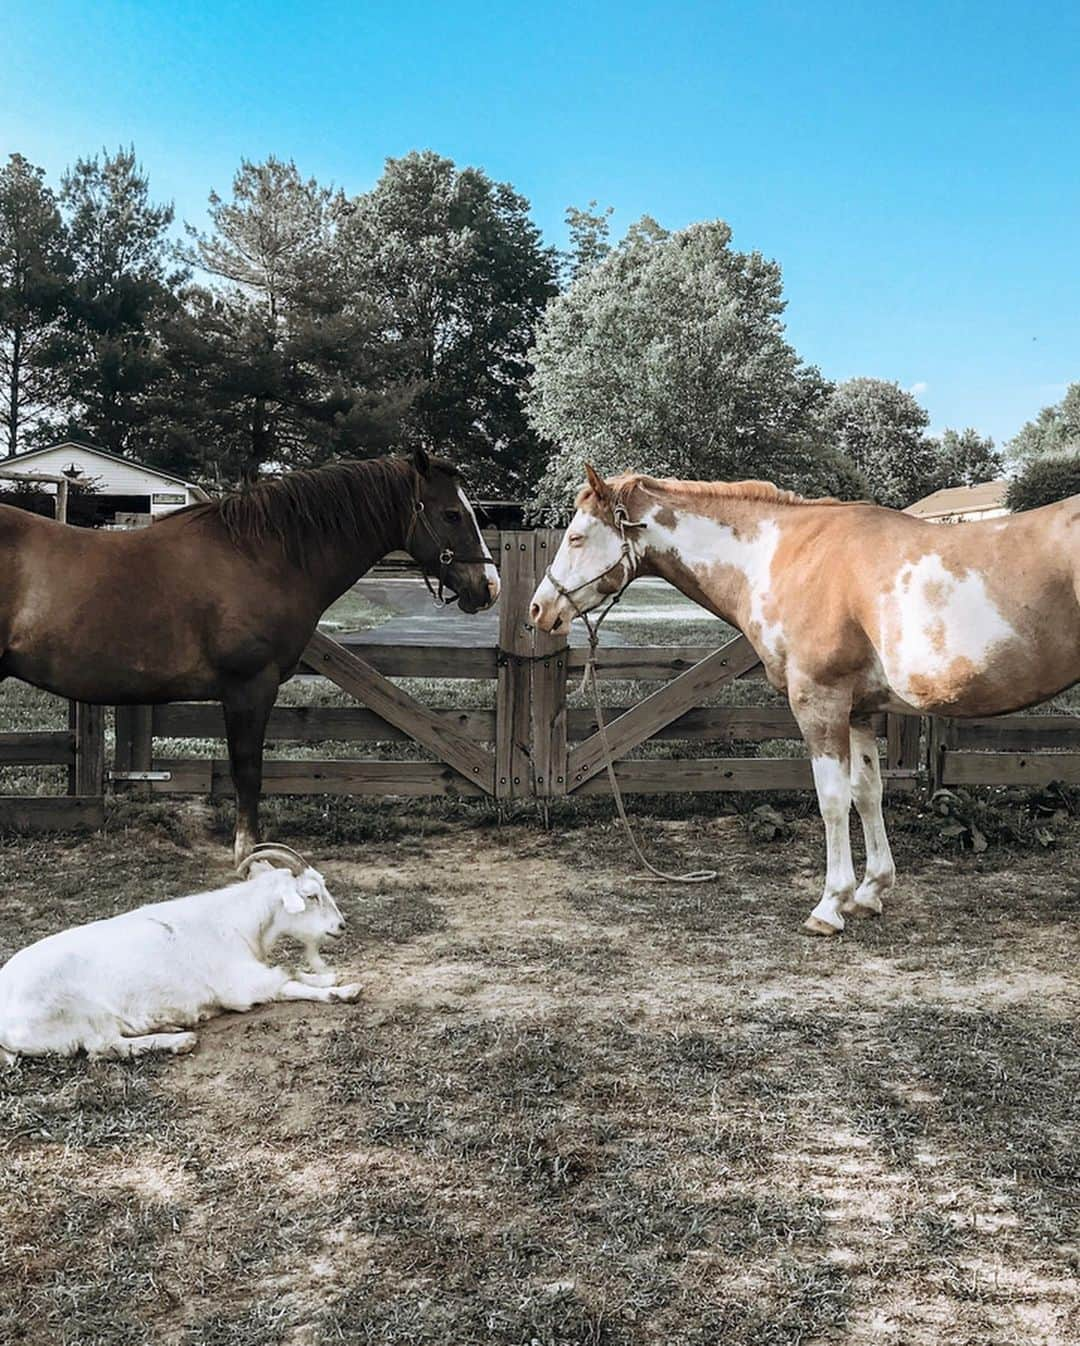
(453,516)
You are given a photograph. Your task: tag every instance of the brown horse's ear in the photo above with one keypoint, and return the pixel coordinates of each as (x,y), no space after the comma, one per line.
(421,462)
(597,484)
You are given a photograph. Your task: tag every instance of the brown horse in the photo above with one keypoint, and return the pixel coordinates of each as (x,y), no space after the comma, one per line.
(852,609)
(218,601)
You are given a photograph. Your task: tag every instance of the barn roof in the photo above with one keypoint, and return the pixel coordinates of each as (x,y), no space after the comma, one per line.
(958,500)
(27,455)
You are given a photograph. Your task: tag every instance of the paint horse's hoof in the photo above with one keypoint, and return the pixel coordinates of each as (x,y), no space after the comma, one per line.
(853,907)
(813,925)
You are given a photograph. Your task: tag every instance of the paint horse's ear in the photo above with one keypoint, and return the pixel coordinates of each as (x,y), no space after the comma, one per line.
(597,484)
(421,462)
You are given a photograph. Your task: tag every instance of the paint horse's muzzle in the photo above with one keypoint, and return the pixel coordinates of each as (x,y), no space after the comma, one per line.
(549,611)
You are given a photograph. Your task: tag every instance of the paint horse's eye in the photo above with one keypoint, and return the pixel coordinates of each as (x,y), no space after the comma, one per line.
(453,516)
(575,540)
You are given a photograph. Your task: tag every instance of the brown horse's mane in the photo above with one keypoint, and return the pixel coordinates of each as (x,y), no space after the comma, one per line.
(339,500)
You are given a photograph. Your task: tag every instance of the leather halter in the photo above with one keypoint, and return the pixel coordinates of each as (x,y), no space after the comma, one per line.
(447,555)
(626,559)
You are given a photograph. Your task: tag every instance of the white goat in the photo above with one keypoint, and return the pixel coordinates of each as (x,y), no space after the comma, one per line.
(130,984)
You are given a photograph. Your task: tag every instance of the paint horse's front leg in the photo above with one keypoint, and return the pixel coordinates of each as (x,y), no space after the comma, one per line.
(866,791)
(823,715)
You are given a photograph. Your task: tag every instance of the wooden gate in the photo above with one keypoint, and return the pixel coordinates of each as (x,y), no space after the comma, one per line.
(546,750)
(531,745)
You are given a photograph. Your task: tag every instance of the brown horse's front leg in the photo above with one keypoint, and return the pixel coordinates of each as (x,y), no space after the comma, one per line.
(247,708)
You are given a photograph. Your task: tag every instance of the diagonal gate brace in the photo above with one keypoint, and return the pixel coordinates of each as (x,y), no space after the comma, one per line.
(378,693)
(640,722)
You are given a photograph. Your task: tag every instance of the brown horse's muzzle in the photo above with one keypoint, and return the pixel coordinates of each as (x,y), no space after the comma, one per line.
(477,586)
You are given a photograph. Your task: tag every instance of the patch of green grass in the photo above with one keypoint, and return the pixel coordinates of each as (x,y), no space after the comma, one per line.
(262,1324)
(83,1104)
(353,612)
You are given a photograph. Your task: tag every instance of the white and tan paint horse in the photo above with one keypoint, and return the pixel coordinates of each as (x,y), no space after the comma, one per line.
(852,609)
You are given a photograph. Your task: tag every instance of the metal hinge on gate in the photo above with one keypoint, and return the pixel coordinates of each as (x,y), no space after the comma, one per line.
(139,775)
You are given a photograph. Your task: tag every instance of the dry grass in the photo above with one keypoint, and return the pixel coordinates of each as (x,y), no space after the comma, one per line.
(573,1108)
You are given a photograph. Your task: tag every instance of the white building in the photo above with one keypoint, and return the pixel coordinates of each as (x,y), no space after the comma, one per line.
(120,485)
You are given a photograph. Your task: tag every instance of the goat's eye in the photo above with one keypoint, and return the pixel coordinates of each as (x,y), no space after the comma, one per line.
(453,516)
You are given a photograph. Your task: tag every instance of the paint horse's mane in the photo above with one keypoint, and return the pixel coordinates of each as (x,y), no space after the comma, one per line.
(346,500)
(624,485)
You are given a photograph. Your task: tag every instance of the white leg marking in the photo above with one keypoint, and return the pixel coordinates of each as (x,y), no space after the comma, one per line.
(866,791)
(833,785)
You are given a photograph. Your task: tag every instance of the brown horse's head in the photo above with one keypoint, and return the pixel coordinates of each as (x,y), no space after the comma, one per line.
(444,537)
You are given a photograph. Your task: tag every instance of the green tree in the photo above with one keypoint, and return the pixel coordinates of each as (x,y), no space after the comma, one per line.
(34,272)
(454,261)
(1044,479)
(110,362)
(278,359)
(590,239)
(965,458)
(1055,429)
(882,429)
(669,356)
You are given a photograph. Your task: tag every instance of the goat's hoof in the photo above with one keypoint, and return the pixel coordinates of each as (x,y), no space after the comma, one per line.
(813,925)
(346,994)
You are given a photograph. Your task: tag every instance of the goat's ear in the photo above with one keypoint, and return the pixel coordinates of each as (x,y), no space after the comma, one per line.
(421,462)
(259,867)
(310,885)
(597,484)
(292,899)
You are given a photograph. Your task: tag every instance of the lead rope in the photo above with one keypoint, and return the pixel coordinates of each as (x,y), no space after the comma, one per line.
(589,676)
(694,875)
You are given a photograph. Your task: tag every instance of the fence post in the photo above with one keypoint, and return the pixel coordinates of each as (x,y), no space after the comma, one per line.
(940,738)
(902,741)
(513,728)
(551,655)
(134,750)
(87,776)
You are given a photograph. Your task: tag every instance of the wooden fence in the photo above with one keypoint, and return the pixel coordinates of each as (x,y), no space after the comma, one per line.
(80,748)
(529,744)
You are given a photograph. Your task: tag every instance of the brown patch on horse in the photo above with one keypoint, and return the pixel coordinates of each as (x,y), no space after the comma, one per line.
(947,688)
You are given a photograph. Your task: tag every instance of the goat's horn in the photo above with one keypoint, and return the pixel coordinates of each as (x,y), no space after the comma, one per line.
(267,850)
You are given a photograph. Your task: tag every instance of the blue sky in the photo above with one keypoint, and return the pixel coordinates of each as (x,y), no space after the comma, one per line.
(912,167)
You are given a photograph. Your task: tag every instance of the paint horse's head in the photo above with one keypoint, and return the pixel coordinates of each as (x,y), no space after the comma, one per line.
(444,538)
(597,559)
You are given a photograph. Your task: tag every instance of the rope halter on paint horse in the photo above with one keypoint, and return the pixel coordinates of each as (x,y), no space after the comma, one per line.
(852,610)
(627,562)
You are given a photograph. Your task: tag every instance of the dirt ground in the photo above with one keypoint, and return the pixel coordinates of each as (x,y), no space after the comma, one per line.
(572,1106)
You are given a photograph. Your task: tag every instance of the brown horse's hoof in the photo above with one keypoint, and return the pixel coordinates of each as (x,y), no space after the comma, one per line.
(813,926)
